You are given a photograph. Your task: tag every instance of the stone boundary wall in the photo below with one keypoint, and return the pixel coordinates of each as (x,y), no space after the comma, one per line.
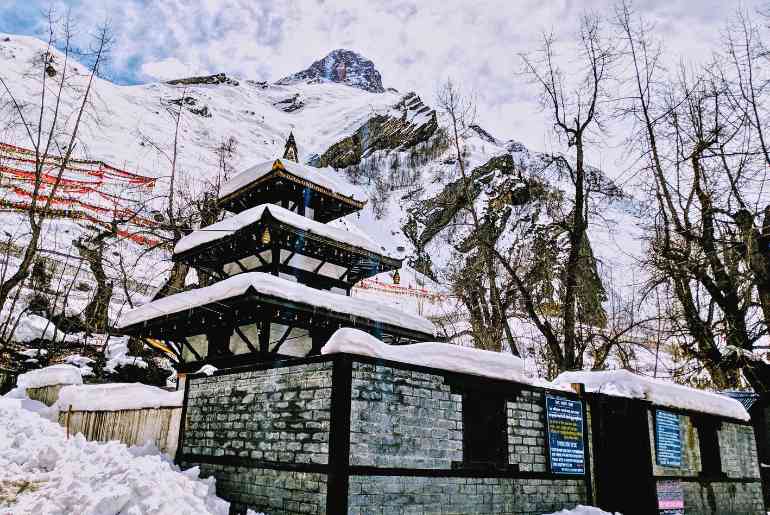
(462,495)
(738,455)
(527,432)
(276,415)
(274,491)
(723,498)
(264,433)
(406,433)
(403,418)
(348,434)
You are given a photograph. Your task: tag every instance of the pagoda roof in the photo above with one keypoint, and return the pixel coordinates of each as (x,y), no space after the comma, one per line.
(239,236)
(239,300)
(235,193)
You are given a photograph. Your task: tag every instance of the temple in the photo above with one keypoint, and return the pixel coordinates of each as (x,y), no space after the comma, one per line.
(281,274)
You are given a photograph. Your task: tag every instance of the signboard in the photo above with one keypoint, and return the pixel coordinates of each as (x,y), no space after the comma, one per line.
(565,435)
(668,439)
(670,498)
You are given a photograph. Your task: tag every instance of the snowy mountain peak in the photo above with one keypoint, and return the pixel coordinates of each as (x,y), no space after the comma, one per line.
(343,66)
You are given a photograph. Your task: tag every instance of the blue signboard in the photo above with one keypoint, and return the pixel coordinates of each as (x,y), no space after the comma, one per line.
(668,439)
(565,435)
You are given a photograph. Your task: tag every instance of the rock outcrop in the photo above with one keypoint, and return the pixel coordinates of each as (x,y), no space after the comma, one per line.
(343,66)
(411,122)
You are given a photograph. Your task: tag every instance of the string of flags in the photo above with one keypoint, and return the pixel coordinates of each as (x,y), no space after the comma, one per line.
(83,189)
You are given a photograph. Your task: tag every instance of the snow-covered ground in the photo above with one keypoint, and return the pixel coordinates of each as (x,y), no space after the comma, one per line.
(44,473)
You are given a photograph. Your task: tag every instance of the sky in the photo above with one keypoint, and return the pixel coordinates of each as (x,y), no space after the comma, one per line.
(415,44)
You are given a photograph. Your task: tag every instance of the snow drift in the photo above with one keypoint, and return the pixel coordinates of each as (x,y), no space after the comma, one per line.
(43,472)
(49,376)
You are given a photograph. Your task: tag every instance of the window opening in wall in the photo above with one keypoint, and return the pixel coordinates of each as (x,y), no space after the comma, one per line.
(485,430)
(708,438)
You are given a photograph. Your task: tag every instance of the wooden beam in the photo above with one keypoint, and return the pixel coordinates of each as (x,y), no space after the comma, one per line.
(187,344)
(281,340)
(245,339)
(264,336)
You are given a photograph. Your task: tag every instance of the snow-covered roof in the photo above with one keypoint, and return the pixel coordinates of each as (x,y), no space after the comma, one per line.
(622,383)
(116,396)
(49,376)
(274,286)
(229,226)
(444,356)
(326,178)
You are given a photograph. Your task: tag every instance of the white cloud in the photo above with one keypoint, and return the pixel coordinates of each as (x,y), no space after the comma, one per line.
(168,68)
(414,43)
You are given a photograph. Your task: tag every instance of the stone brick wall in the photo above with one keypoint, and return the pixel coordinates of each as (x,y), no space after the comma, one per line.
(370,495)
(279,415)
(738,451)
(402,418)
(739,460)
(723,498)
(277,492)
(527,432)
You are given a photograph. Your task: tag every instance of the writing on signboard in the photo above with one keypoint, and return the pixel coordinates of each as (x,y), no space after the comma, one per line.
(668,439)
(670,498)
(565,435)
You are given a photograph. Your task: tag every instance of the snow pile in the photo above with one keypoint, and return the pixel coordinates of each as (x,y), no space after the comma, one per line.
(49,376)
(207,370)
(324,177)
(33,327)
(581,510)
(229,226)
(622,383)
(117,355)
(444,356)
(270,285)
(43,472)
(18,399)
(116,396)
(82,362)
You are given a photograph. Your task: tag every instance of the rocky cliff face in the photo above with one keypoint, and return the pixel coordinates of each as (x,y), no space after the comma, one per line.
(409,123)
(343,66)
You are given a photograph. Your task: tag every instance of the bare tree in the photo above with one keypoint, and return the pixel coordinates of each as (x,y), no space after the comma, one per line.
(489,316)
(51,131)
(576,111)
(701,136)
(176,222)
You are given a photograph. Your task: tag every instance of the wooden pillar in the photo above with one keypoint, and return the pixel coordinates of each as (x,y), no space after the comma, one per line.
(219,342)
(275,259)
(264,337)
(301,203)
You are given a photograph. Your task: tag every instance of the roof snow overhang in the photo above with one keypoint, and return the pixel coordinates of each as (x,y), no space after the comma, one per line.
(252,297)
(288,231)
(287,183)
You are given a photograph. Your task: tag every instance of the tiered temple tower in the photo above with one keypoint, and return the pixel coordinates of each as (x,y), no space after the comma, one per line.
(283,276)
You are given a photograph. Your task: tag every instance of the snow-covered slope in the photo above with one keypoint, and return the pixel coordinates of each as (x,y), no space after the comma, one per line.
(345,121)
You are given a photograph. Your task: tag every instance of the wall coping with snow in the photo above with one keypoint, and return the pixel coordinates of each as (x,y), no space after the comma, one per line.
(116,397)
(534,384)
(622,383)
(50,376)
(441,356)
